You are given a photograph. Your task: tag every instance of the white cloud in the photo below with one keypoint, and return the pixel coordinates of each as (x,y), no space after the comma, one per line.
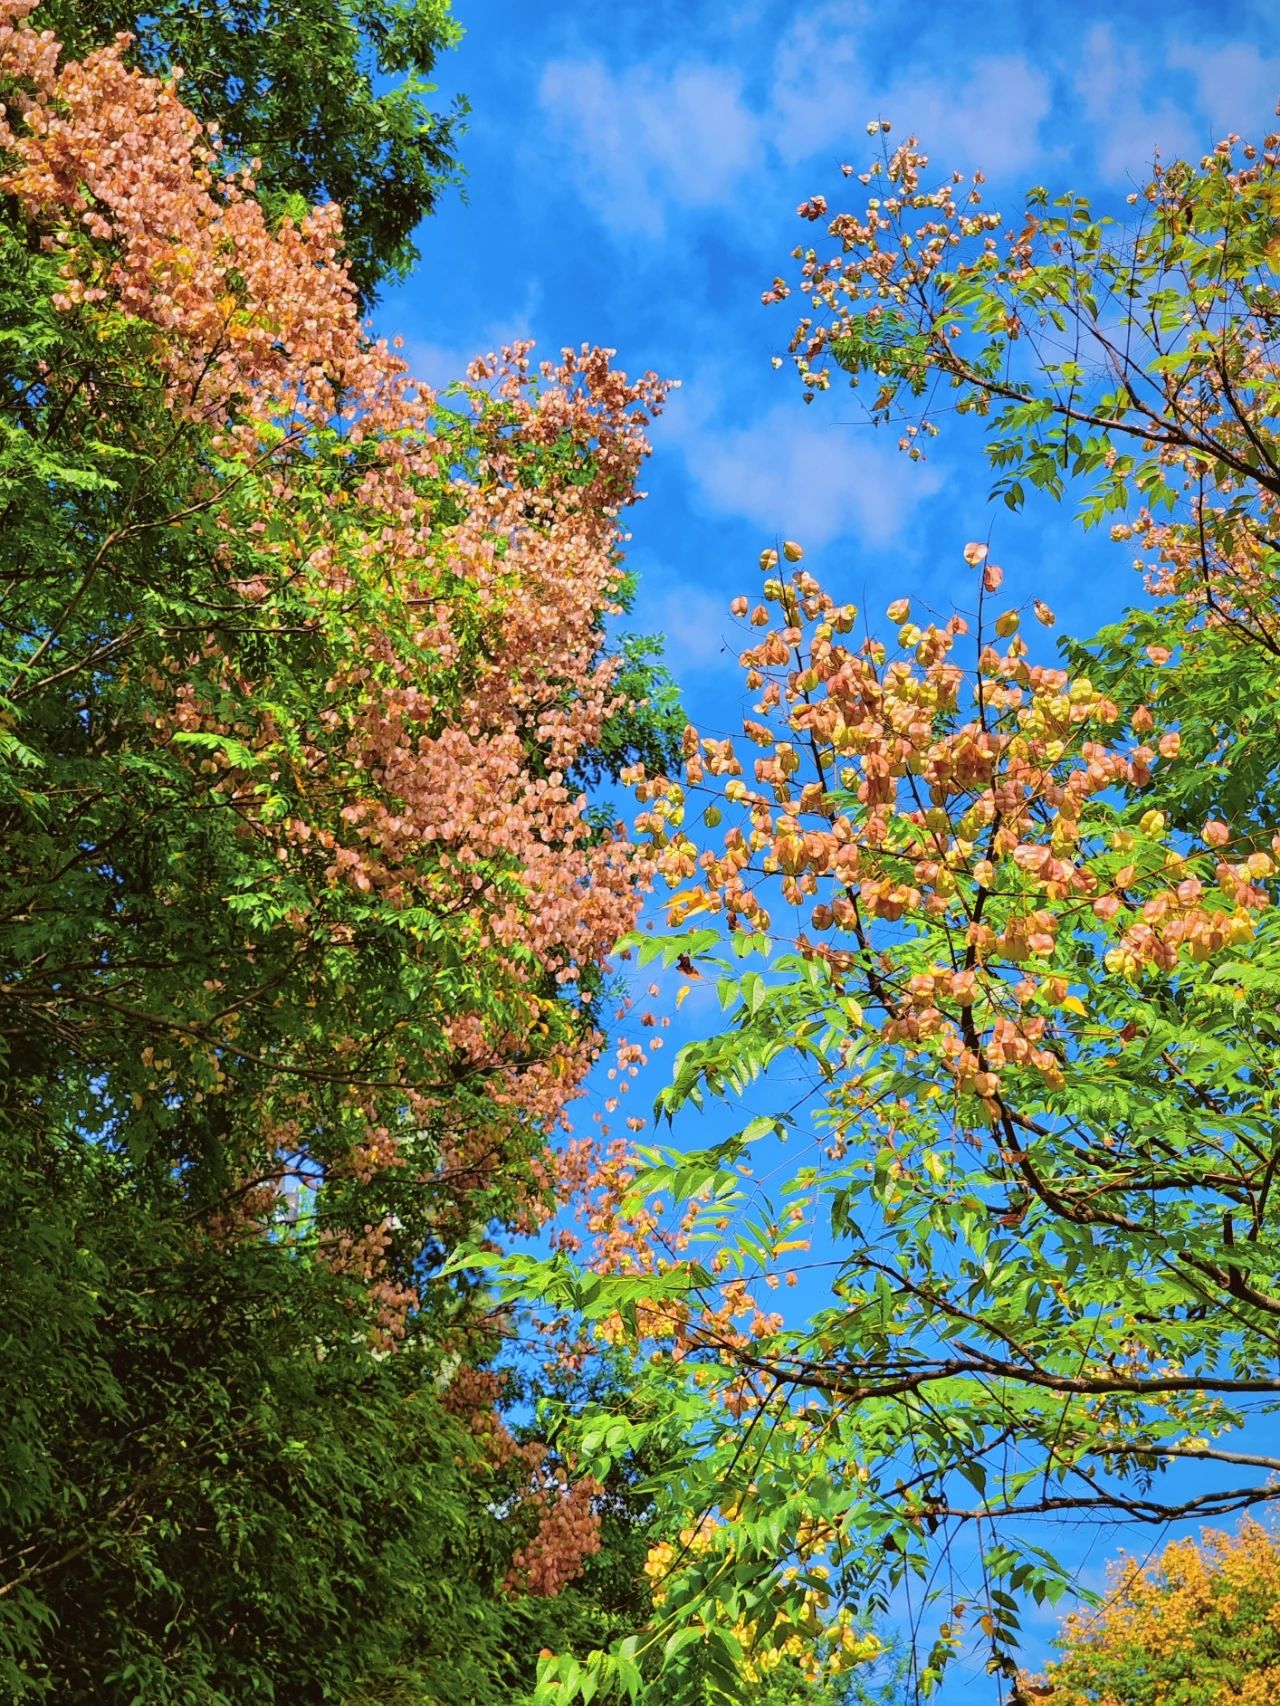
(1128,131)
(658,137)
(697,628)
(804,480)
(988,115)
(654,137)
(985,112)
(646,136)
(1236,87)
(819,94)
(439,364)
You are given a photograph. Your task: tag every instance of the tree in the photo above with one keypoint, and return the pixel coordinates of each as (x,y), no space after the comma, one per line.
(299,657)
(203,1460)
(215,1492)
(304,924)
(1201,1627)
(332,98)
(1014,921)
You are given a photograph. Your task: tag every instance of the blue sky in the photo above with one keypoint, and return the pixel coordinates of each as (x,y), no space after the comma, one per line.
(633,173)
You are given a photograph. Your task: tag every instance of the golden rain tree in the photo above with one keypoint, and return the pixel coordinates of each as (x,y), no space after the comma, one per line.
(1012,913)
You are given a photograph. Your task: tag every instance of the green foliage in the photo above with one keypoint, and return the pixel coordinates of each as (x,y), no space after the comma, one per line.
(214,1492)
(650,719)
(332,97)
(163,916)
(1024,1036)
(161,942)
(217,1484)
(883,342)
(212,1486)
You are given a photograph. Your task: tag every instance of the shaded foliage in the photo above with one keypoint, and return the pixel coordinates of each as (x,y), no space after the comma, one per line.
(333,98)
(300,926)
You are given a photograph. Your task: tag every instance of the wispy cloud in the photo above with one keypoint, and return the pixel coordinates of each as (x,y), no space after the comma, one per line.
(697,629)
(806,480)
(671,135)
(989,113)
(1236,86)
(650,136)
(1127,126)
(440,363)
(831,75)
(819,87)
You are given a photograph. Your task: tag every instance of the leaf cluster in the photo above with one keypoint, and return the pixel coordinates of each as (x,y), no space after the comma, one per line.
(332,98)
